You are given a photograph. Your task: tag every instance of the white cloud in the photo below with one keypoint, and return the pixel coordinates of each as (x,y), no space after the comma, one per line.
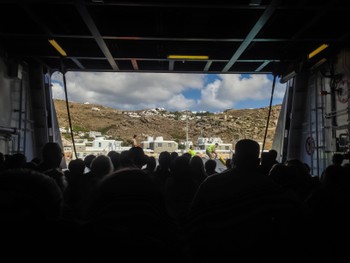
(149,90)
(179,102)
(58,91)
(131,90)
(229,89)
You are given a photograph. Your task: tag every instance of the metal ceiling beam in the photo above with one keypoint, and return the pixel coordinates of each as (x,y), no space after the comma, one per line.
(161,59)
(167,4)
(167,71)
(191,39)
(77,62)
(201,5)
(263,65)
(170,39)
(134,64)
(207,66)
(80,5)
(48,32)
(38,21)
(252,34)
(171,65)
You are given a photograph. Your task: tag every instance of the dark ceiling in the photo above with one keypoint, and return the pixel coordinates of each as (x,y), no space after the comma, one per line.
(244,36)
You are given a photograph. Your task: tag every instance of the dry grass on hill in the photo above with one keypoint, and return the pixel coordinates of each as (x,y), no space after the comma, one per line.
(230,125)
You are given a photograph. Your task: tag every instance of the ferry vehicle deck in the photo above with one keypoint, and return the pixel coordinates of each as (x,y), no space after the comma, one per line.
(304,44)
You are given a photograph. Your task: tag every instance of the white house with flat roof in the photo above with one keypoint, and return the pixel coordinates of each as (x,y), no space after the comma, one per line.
(98,146)
(100,143)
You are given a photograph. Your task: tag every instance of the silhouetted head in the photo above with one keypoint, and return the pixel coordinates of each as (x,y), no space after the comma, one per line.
(27,195)
(137,156)
(301,170)
(125,160)
(164,159)
(124,190)
(151,163)
(182,166)
(187,155)
(101,166)
(334,174)
(247,153)
(115,158)
(76,166)
(88,159)
(210,165)
(173,155)
(273,154)
(52,154)
(196,164)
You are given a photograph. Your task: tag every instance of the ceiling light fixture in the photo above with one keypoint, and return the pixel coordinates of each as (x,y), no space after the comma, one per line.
(317,50)
(255,3)
(188,57)
(57,47)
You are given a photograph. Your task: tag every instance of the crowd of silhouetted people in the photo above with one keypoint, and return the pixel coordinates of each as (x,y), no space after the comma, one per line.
(130,207)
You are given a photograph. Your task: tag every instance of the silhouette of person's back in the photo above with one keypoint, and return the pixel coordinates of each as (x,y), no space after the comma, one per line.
(17,160)
(30,222)
(179,190)
(51,160)
(328,207)
(73,193)
(242,215)
(162,172)
(127,217)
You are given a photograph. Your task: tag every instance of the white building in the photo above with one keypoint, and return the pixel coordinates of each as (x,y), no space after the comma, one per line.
(100,143)
(159,145)
(99,146)
(204,142)
(94,134)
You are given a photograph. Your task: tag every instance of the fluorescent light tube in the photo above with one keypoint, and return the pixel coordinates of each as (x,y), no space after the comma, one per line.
(57,47)
(188,57)
(317,50)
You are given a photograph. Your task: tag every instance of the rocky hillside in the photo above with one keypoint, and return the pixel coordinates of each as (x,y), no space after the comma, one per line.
(230,125)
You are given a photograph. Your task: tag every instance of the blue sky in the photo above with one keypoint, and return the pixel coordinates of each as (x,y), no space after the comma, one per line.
(172,91)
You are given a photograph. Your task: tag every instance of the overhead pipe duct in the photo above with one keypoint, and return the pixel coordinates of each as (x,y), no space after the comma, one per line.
(8,130)
(288,76)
